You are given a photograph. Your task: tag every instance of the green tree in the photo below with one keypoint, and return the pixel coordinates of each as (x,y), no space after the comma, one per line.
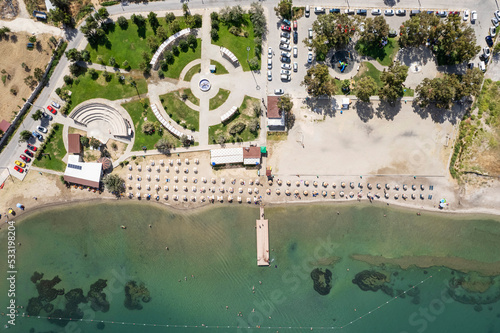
(346,85)
(37,115)
(375,29)
(102,15)
(161,33)
(114,183)
(191,40)
(164,144)
(253,126)
(457,42)
(253,63)
(3,32)
(153,21)
(439,91)
(365,88)
(24,136)
(214,34)
(93,73)
(186,142)
(73,55)
(258,19)
(392,82)
(148,127)
(94,143)
(84,141)
(169,17)
(419,28)
(284,9)
(169,57)
(138,20)
(232,15)
(152,43)
(330,31)
(318,81)
(183,45)
(175,26)
(185,9)
(470,83)
(125,64)
(85,55)
(38,73)
(285,103)
(112,61)
(122,22)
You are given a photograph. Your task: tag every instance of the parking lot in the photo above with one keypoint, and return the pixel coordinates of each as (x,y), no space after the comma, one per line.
(481,28)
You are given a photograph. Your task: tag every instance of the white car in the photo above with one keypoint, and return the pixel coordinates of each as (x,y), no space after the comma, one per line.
(466,15)
(269,63)
(284,40)
(493,31)
(486,52)
(319,10)
(401,12)
(269,75)
(285,72)
(42,129)
(285,35)
(482,66)
(55,104)
(279,92)
(285,54)
(473,16)
(376,12)
(286,66)
(295,66)
(285,47)
(497,15)
(309,57)
(495,22)
(389,12)
(269,53)
(295,51)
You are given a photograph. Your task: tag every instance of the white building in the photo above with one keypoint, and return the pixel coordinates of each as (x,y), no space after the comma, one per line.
(81,173)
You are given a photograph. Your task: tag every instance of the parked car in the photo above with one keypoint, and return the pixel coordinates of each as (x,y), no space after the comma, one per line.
(285,77)
(308,11)
(47,116)
(286,54)
(21,164)
(37,135)
(309,57)
(361,12)
(335,10)
(295,37)
(32,147)
(51,109)
(269,63)
(466,15)
(401,12)
(389,12)
(42,129)
(349,11)
(310,33)
(295,25)
(497,15)
(285,35)
(376,12)
(284,40)
(482,66)
(18,169)
(455,13)
(430,12)
(295,66)
(470,65)
(269,75)
(486,52)
(29,153)
(441,13)
(295,52)
(286,66)
(473,16)
(414,12)
(285,60)
(393,33)
(319,10)
(278,91)
(489,41)
(493,31)
(25,158)
(55,104)
(287,22)
(286,28)
(285,47)
(269,52)
(495,22)
(285,71)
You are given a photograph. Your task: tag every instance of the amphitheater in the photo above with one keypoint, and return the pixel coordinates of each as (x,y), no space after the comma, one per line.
(102,120)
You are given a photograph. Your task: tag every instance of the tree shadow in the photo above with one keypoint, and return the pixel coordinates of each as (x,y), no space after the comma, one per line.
(410,55)
(13,38)
(440,115)
(390,3)
(387,110)
(70,33)
(364,110)
(321,106)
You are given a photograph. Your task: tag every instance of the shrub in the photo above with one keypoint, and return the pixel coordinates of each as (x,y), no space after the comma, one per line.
(169,57)
(175,50)
(122,22)
(183,45)
(148,128)
(214,34)
(161,75)
(125,64)
(68,79)
(214,16)
(235,30)
(215,24)
(93,73)
(253,126)
(169,17)
(237,128)
(112,61)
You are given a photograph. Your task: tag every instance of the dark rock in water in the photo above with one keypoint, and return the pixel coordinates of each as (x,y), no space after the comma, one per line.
(395,273)
(387,290)
(75,296)
(134,294)
(46,290)
(370,280)
(32,330)
(34,307)
(48,308)
(400,293)
(36,277)
(100,326)
(425,272)
(54,318)
(416,300)
(322,281)
(478,308)
(415,291)
(97,298)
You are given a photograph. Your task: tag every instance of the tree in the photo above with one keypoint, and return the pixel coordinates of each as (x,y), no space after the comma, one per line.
(112,61)
(138,20)
(24,136)
(258,19)
(85,55)
(346,85)
(153,21)
(191,40)
(94,143)
(161,33)
(38,73)
(58,15)
(122,22)
(102,15)
(74,69)
(169,17)
(175,26)
(253,63)
(419,28)
(183,45)
(185,9)
(148,127)
(197,21)
(439,91)
(169,57)
(163,144)
(284,9)
(186,142)
(214,34)
(93,73)
(73,55)
(114,183)
(232,15)
(253,126)
(471,83)
(37,115)
(365,88)
(221,139)
(84,141)
(285,103)
(375,29)
(3,32)
(330,31)
(152,43)
(457,43)
(318,81)
(125,64)
(32,39)
(392,82)
(90,29)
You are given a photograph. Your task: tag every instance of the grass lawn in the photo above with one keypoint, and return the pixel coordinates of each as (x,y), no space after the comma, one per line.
(180,112)
(53,152)
(192,98)
(191,72)
(219,69)
(85,88)
(245,115)
(367,69)
(138,113)
(218,99)
(174,70)
(383,55)
(128,44)
(236,44)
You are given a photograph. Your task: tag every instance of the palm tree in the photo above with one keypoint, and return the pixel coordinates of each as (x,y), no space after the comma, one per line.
(37,115)
(24,136)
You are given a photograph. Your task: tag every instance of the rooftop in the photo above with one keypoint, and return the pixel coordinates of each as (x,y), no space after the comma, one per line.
(272,107)
(74,145)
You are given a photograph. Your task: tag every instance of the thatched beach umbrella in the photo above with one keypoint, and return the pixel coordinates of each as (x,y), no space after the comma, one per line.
(231,190)
(297,183)
(139,168)
(386,195)
(161,163)
(342,184)
(242,182)
(288,183)
(186,170)
(165,196)
(278,192)
(171,162)
(176,179)
(378,186)
(233,181)
(193,189)
(332,194)
(351,184)
(167,169)
(230,198)
(413,196)
(270,182)
(186,161)
(148,177)
(249,190)
(396,196)
(334,185)
(148,168)
(223,180)
(268,191)
(139,178)
(296,192)
(165,188)
(176,169)
(176,197)
(413,187)
(129,176)
(405,187)
(138,186)
(369,186)
(257,182)
(279,182)
(306,183)
(324,184)
(287,192)
(184,188)
(148,187)
(214,180)
(193,199)
(341,193)
(239,199)
(202,198)
(324,193)
(185,179)
(195,170)
(203,179)
(305,193)
(130,167)
(315,184)
(249,200)
(138,195)
(184,198)
(196,161)
(176,188)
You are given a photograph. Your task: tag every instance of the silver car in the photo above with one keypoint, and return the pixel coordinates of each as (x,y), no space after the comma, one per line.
(269,63)
(286,66)
(295,66)
(55,104)
(285,72)
(389,12)
(42,129)
(269,75)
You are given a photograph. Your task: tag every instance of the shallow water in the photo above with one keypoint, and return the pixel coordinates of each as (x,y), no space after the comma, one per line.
(211,263)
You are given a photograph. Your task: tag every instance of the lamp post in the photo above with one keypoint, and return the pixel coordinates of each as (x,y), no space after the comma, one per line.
(248,52)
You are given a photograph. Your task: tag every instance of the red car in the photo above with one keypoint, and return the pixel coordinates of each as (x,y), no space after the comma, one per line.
(18,169)
(32,147)
(51,109)
(295,25)
(285,28)
(27,152)
(25,158)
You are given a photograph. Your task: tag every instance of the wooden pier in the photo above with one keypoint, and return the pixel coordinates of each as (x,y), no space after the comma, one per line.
(262,229)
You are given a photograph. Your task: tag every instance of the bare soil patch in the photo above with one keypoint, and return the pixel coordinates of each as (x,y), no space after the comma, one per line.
(9,9)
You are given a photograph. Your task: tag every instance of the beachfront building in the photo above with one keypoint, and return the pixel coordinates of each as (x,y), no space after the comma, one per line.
(74,144)
(275,116)
(246,156)
(81,173)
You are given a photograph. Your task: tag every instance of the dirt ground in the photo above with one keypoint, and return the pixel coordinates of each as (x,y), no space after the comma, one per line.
(9,9)
(94,155)
(13,53)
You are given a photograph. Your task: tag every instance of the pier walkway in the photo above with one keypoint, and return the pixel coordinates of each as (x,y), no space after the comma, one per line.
(262,229)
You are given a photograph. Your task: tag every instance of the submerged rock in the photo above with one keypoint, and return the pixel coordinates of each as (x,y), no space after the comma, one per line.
(134,294)
(322,281)
(34,307)
(100,326)
(46,290)
(370,280)
(36,277)
(97,298)
(75,296)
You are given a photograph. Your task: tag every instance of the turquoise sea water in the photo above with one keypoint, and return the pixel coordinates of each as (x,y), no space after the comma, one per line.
(211,263)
